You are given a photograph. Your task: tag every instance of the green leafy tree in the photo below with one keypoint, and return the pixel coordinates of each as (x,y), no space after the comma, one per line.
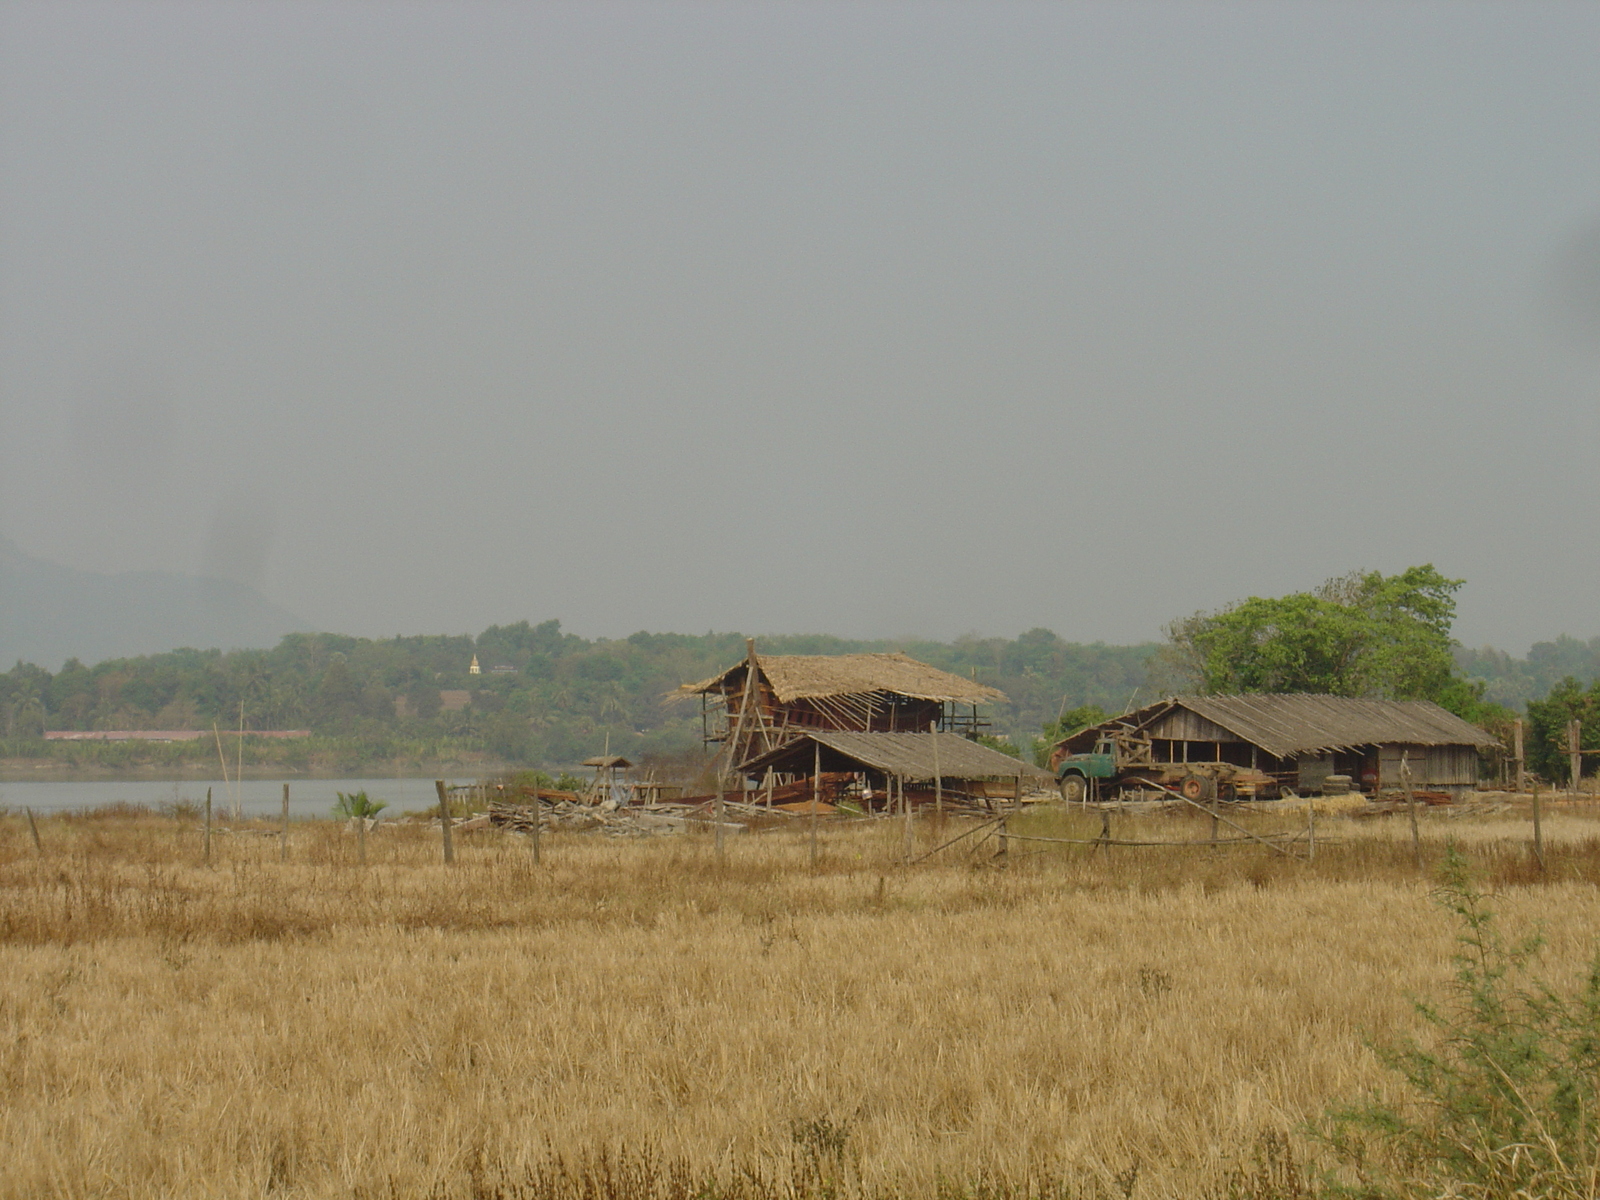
(1363,634)
(1547,726)
(1068,723)
(1003,745)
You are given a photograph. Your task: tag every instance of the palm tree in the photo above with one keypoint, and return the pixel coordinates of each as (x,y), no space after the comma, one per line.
(360,808)
(357,805)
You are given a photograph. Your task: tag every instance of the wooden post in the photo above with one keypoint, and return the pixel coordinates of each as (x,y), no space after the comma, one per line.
(283,837)
(768,782)
(1575,752)
(905,805)
(1311,830)
(208,827)
(1538,830)
(816,797)
(238,770)
(444,819)
(1411,805)
(33,828)
(1516,744)
(537,820)
(718,812)
(1216,822)
(938,783)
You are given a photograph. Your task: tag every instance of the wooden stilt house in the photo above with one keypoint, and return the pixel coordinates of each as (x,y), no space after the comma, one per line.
(767,700)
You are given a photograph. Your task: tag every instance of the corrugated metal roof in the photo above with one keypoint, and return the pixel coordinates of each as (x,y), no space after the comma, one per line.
(1285,725)
(798,676)
(908,755)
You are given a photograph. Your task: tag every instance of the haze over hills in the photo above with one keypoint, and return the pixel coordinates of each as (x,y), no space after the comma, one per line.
(50,613)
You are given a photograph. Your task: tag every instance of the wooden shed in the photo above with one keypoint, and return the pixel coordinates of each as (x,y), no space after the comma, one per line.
(867,768)
(767,700)
(1302,739)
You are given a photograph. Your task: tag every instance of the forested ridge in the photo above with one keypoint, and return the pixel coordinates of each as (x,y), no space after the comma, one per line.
(544,696)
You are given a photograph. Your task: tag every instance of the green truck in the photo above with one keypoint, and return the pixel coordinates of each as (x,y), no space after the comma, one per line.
(1123,759)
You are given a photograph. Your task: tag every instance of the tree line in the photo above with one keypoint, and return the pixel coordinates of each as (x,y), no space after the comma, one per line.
(545,696)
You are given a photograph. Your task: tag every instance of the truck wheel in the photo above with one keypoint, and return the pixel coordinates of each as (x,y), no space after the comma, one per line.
(1197,787)
(1073,789)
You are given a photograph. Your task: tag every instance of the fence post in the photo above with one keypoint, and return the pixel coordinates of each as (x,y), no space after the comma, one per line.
(1311,830)
(1003,837)
(719,812)
(283,838)
(444,819)
(1411,805)
(816,797)
(208,827)
(536,822)
(1516,746)
(1575,752)
(33,828)
(1538,829)
(905,804)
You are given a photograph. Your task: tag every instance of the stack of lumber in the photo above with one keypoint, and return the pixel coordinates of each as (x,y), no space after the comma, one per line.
(572,815)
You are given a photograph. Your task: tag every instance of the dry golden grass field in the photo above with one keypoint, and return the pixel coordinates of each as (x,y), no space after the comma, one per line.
(1130,1023)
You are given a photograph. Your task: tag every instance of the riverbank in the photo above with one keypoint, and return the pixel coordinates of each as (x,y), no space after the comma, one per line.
(318,757)
(250,798)
(477,766)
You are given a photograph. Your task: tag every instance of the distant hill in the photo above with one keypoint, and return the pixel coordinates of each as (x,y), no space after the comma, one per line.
(1515,681)
(49,613)
(542,697)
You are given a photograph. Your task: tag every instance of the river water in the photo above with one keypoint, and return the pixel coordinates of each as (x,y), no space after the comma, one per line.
(257,797)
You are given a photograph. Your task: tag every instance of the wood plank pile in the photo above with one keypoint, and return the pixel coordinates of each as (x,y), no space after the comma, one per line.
(576,816)
(565,811)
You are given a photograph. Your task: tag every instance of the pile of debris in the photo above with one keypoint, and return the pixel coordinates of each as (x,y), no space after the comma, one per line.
(610,820)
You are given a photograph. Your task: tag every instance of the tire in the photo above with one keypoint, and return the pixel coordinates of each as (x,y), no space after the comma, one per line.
(1074,789)
(1198,788)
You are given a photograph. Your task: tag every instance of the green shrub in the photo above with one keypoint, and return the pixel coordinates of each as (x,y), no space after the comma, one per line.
(1505,1103)
(357,804)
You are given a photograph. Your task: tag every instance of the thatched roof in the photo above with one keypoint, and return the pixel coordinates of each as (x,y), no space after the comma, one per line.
(908,755)
(607,760)
(1286,725)
(802,676)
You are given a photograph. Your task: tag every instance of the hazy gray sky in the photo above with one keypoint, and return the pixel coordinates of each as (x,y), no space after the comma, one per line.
(869,319)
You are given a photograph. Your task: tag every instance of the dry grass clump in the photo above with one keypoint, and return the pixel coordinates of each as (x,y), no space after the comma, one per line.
(1062,1022)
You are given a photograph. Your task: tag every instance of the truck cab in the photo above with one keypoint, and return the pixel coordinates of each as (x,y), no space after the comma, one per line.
(1074,771)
